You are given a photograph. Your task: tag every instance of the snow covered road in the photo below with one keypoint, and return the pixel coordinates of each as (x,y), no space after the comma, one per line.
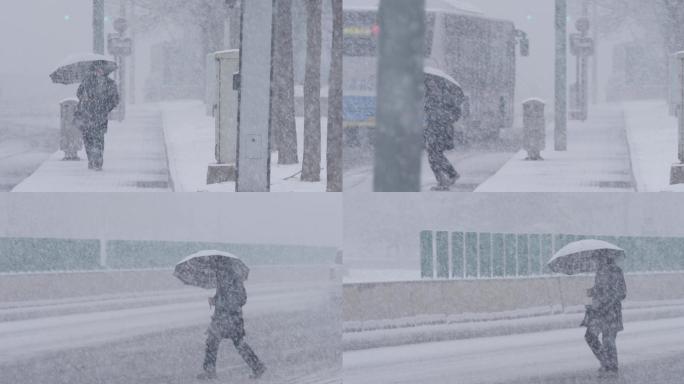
(545,357)
(290,326)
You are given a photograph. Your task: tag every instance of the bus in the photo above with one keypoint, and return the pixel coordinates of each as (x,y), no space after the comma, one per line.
(478,51)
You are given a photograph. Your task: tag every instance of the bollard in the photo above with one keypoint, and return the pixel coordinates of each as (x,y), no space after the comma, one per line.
(677,170)
(534,129)
(70,135)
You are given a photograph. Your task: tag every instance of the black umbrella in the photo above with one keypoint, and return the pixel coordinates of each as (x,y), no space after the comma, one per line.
(200,269)
(439,82)
(76,67)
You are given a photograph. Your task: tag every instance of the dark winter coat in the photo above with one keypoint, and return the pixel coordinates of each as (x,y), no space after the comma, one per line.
(229,300)
(608,292)
(97,97)
(442,110)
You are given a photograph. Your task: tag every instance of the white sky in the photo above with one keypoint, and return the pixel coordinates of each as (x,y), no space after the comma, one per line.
(35,36)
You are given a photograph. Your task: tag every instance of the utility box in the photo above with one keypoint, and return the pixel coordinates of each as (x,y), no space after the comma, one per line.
(677,170)
(226,64)
(70,138)
(534,128)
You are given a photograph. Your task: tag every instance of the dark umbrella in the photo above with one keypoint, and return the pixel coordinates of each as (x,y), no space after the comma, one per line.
(199,269)
(580,256)
(75,67)
(439,82)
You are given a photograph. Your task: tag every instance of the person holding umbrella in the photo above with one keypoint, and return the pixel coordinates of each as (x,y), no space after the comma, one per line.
(604,315)
(227,273)
(98,96)
(443,99)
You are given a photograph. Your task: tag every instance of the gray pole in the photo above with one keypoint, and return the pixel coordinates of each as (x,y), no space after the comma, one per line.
(399,138)
(594,59)
(131,76)
(560,129)
(98,27)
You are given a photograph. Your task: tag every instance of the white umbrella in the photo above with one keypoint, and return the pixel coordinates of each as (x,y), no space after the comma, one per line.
(199,269)
(580,256)
(75,67)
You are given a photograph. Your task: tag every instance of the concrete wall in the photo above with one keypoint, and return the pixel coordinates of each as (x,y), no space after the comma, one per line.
(378,301)
(63,285)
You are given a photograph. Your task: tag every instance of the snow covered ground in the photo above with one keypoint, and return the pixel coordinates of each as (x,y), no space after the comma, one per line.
(652,135)
(294,327)
(475,164)
(357,275)
(27,138)
(647,350)
(190,141)
(597,160)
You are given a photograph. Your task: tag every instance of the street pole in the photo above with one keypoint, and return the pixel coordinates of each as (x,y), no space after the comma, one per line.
(594,61)
(560,129)
(98,27)
(122,69)
(254,124)
(399,138)
(131,78)
(677,170)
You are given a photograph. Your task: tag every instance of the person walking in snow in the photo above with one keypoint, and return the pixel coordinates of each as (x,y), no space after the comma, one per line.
(604,315)
(442,110)
(228,323)
(98,96)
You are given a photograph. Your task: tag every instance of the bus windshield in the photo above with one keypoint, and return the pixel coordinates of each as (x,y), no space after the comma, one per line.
(361,31)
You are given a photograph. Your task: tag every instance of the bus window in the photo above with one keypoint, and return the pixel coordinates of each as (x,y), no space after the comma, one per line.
(361,31)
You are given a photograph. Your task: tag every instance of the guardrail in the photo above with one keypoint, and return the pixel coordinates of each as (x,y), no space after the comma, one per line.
(399,300)
(39,286)
(473,255)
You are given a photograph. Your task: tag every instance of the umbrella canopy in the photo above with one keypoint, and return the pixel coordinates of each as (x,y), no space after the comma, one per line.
(200,269)
(75,67)
(580,256)
(438,81)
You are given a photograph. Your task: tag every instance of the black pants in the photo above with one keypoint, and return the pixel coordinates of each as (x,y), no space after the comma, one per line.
(93,140)
(440,165)
(604,350)
(245,351)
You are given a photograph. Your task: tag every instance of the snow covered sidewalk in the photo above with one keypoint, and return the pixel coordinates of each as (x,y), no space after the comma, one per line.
(597,160)
(190,138)
(134,160)
(652,135)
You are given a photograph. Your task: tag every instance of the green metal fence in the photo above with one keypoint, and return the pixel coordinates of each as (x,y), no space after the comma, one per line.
(46,254)
(461,255)
(161,254)
(38,254)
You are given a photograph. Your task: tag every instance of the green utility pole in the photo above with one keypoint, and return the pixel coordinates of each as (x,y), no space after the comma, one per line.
(399,136)
(98,27)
